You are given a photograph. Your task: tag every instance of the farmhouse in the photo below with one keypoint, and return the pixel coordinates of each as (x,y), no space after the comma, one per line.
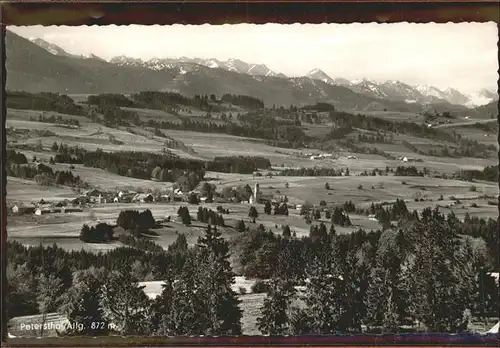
(94,196)
(81,200)
(23,209)
(92,193)
(41,211)
(143,198)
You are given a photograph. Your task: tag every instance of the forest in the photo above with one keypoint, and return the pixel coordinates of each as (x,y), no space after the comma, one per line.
(383,280)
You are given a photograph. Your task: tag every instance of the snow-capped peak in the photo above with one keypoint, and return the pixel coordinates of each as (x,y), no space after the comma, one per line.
(318,74)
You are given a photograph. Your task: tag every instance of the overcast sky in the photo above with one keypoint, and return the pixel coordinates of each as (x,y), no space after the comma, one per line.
(463,56)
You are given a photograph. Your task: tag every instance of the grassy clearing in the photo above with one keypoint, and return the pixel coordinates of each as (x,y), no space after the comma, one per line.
(67,243)
(109,181)
(396,116)
(387,188)
(488,138)
(20,190)
(92,136)
(157,115)
(25,115)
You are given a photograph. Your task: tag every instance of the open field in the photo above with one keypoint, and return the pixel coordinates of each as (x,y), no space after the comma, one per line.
(57,227)
(346,187)
(65,228)
(25,115)
(208,145)
(105,180)
(20,190)
(396,116)
(466,122)
(472,133)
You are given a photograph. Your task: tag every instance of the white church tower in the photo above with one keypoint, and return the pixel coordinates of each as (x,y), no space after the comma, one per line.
(256,193)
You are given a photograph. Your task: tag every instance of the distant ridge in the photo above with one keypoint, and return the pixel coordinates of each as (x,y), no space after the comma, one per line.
(37,66)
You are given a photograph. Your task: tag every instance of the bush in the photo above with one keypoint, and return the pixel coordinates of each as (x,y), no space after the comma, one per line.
(260,287)
(473,188)
(474,205)
(360,187)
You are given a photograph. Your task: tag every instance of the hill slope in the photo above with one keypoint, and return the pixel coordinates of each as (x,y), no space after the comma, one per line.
(33,69)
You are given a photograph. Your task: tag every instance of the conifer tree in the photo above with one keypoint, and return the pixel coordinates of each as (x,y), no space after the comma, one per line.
(323,296)
(47,297)
(81,303)
(286,231)
(20,289)
(187,315)
(252,213)
(439,280)
(275,313)
(161,314)
(125,304)
(241,226)
(268,208)
(220,302)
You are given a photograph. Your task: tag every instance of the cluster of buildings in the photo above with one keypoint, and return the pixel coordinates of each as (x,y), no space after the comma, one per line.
(320,156)
(42,208)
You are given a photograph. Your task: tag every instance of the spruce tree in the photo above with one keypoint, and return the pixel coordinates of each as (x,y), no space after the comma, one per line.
(241,226)
(252,213)
(20,289)
(275,313)
(47,297)
(125,304)
(286,231)
(220,302)
(187,315)
(268,208)
(322,296)
(439,279)
(81,303)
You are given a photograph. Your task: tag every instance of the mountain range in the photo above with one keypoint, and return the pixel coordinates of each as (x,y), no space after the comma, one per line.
(36,65)
(397,90)
(234,65)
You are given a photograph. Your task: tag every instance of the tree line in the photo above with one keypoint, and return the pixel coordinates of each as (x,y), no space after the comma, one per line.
(100,233)
(45,101)
(314,171)
(243,100)
(344,120)
(56,120)
(209,216)
(489,173)
(44,175)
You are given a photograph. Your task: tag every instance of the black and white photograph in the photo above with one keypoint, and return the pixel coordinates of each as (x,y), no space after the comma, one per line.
(252,180)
